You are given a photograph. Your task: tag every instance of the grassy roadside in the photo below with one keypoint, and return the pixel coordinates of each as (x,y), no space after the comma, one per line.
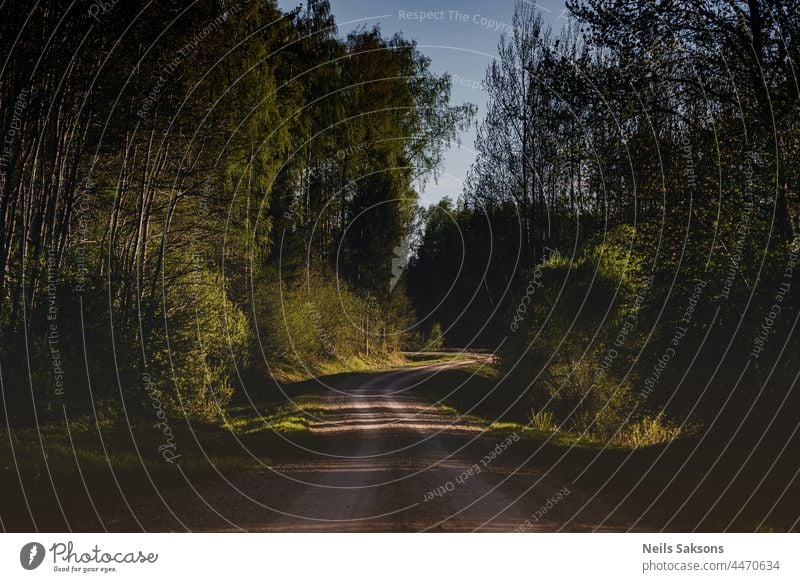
(104,465)
(712,483)
(111,466)
(424,358)
(309,370)
(687,484)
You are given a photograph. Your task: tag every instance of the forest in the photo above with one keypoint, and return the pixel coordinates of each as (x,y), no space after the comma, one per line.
(211,211)
(184,212)
(627,237)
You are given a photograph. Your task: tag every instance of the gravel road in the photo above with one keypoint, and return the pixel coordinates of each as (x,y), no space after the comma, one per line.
(388,461)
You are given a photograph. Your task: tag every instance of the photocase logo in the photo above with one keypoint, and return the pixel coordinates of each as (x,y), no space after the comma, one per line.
(31,555)
(400,261)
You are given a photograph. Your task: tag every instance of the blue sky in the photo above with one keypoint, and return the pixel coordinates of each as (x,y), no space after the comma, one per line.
(460,36)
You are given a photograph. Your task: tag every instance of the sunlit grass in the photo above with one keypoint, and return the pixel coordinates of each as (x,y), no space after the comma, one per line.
(309,369)
(286,418)
(64,449)
(648,432)
(544,420)
(427,358)
(651,431)
(552,437)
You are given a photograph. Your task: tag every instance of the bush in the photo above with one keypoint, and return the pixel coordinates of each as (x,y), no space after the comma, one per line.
(205,340)
(650,431)
(309,321)
(544,420)
(435,338)
(568,345)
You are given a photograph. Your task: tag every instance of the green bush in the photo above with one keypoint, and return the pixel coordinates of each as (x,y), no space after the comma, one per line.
(568,344)
(649,431)
(435,338)
(311,320)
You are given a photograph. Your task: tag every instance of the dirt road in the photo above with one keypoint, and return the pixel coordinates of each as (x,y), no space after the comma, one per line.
(388,461)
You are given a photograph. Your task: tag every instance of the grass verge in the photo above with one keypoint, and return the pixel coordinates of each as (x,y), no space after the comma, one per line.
(747,481)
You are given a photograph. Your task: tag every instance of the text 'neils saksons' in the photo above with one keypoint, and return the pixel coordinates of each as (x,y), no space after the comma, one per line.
(663,548)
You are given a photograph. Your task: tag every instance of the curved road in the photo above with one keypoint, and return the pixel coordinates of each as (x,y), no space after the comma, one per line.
(388,461)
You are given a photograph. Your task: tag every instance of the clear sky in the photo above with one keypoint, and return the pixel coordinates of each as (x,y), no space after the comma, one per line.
(460,36)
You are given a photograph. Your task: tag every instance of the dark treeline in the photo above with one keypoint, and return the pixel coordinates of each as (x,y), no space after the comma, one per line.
(628,232)
(194,191)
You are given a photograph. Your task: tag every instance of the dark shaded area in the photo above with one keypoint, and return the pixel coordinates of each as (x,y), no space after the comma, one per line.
(627,238)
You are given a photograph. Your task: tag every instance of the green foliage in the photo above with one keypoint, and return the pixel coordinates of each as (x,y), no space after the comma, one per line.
(184,182)
(543,420)
(650,431)
(436,338)
(640,246)
(205,340)
(313,320)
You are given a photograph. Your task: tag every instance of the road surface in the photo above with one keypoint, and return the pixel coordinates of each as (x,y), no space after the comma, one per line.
(385,460)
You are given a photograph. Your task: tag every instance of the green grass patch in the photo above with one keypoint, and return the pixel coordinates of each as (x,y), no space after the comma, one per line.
(298,373)
(427,358)
(286,418)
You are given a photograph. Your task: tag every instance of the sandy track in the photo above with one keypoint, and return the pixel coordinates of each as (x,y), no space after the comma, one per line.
(387,461)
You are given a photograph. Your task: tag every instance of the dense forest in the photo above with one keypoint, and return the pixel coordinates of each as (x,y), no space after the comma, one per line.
(628,235)
(199,194)
(224,305)
(186,213)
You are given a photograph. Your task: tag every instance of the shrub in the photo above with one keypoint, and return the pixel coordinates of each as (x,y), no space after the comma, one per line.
(313,320)
(435,338)
(568,345)
(649,431)
(543,420)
